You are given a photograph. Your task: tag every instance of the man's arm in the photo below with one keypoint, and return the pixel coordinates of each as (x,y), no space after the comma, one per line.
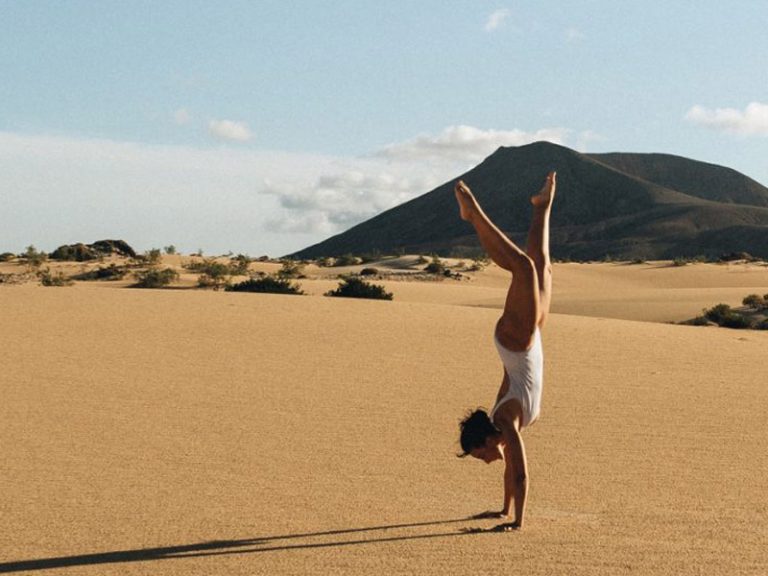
(515,474)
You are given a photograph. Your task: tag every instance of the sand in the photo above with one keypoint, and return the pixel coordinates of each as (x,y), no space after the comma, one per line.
(199,432)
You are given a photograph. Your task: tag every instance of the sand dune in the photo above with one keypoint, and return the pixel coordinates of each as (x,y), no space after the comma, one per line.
(194,432)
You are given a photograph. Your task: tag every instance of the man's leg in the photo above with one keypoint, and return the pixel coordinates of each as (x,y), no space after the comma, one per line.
(521,309)
(538,243)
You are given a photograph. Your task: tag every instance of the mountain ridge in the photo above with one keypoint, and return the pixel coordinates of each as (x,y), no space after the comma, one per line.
(626,205)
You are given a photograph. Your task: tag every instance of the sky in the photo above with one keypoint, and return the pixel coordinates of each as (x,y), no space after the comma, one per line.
(264,126)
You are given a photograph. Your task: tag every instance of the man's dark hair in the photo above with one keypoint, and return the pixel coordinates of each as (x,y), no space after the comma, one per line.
(475,428)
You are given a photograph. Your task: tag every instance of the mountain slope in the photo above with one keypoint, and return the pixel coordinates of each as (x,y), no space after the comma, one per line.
(625,205)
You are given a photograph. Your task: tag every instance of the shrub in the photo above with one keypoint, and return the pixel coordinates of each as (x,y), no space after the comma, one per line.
(47,278)
(736,321)
(369,272)
(7,256)
(215,275)
(717,313)
(111,272)
(370,257)
(698,321)
(291,269)
(347,260)
(238,266)
(723,315)
(352,287)
(33,257)
(436,266)
(155,278)
(754,301)
(170,250)
(153,257)
(762,325)
(267,284)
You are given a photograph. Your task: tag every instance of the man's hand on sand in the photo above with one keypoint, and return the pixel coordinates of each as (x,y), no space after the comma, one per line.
(506,527)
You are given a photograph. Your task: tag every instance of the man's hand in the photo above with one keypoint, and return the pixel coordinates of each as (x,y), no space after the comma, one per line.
(506,527)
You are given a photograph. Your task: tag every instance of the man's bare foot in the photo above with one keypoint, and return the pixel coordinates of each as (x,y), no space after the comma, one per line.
(547,193)
(467,203)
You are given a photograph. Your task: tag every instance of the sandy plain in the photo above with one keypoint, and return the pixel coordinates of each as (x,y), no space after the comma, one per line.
(199,432)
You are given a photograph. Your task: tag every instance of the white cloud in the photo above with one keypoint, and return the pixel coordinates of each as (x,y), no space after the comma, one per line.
(182,116)
(58,190)
(496,19)
(467,144)
(751,121)
(348,195)
(574,35)
(229,130)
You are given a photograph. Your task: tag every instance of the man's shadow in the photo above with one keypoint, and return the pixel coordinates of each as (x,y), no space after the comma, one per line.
(245,546)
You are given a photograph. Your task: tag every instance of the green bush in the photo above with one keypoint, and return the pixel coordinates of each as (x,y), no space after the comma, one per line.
(754,301)
(436,266)
(369,272)
(155,278)
(47,278)
(351,287)
(370,257)
(238,266)
(153,257)
(736,321)
(267,284)
(762,325)
(170,250)
(723,315)
(7,256)
(717,313)
(347,260)
(214,275)
(291,269)
(111,272)
(33,257)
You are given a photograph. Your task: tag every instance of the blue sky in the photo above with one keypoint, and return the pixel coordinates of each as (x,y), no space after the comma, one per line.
(264,126)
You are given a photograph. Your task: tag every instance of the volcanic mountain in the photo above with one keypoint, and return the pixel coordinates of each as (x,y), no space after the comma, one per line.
(626,206)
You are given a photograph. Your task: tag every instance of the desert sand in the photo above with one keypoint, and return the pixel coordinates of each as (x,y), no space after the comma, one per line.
(199,432)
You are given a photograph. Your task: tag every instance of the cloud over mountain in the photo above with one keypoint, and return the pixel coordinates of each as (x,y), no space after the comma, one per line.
(467,143)
(752,121)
